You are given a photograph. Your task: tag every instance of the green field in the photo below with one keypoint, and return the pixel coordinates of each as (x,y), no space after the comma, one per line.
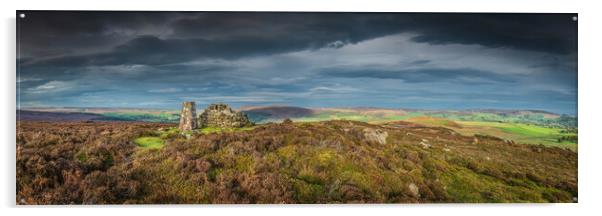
(518,132)
(522,133)
(150,142)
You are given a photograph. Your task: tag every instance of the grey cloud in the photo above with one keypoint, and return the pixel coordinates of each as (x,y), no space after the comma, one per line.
(243,34)
(464,75)
(150,50)
(554,33)
(57,33)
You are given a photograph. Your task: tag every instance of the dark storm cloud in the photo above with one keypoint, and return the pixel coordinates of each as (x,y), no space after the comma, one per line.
(310,30)
(240,35)
(420,62)
(55,33)
(556,33)
(235,35)
(553,33)
(150,50)
(464,75)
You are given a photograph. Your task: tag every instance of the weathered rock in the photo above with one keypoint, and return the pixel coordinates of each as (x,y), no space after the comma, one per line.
(425,144)
(375,135)
(188,116)
(414,190)
(221,115)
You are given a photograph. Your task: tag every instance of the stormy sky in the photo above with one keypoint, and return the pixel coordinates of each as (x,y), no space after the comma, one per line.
(390,60)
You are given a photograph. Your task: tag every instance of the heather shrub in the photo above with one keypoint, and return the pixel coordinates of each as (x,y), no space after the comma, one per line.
(292,162)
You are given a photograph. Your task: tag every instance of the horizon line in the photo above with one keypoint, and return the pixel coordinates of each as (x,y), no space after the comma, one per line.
(310,107)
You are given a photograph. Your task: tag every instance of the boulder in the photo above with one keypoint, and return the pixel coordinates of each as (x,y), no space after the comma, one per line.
(375,135)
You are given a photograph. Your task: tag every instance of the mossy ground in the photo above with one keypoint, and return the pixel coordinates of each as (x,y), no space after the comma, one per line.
(150,142)
(157,141)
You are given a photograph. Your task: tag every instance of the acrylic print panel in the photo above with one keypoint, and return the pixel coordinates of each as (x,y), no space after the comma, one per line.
(268,107)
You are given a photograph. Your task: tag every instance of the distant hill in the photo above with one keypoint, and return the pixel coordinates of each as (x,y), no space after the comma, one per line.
(546,114)
(265,113)
(262,114)
(26,115)
(381,112)
(97,114)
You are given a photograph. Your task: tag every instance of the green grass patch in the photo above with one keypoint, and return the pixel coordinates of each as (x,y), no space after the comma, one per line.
(170,132)
(150,142)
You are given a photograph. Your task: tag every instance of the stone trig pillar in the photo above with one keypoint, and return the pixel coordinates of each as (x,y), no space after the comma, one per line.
(188,116)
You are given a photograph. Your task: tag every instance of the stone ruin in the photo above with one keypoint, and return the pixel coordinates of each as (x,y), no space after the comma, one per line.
(221,115)
(216,115)
(188,116)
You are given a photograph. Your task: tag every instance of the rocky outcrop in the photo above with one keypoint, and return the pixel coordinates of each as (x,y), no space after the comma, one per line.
(188,116)
(375,135)
(221,115)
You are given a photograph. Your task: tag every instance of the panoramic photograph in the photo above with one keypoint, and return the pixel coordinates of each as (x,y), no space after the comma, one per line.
(137,107)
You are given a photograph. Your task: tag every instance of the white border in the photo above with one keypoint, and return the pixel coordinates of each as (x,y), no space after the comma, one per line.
(589,104)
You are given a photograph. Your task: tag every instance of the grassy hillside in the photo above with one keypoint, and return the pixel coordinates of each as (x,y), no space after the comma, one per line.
(527,127)
(373,115)
(302,162)
(522,133)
